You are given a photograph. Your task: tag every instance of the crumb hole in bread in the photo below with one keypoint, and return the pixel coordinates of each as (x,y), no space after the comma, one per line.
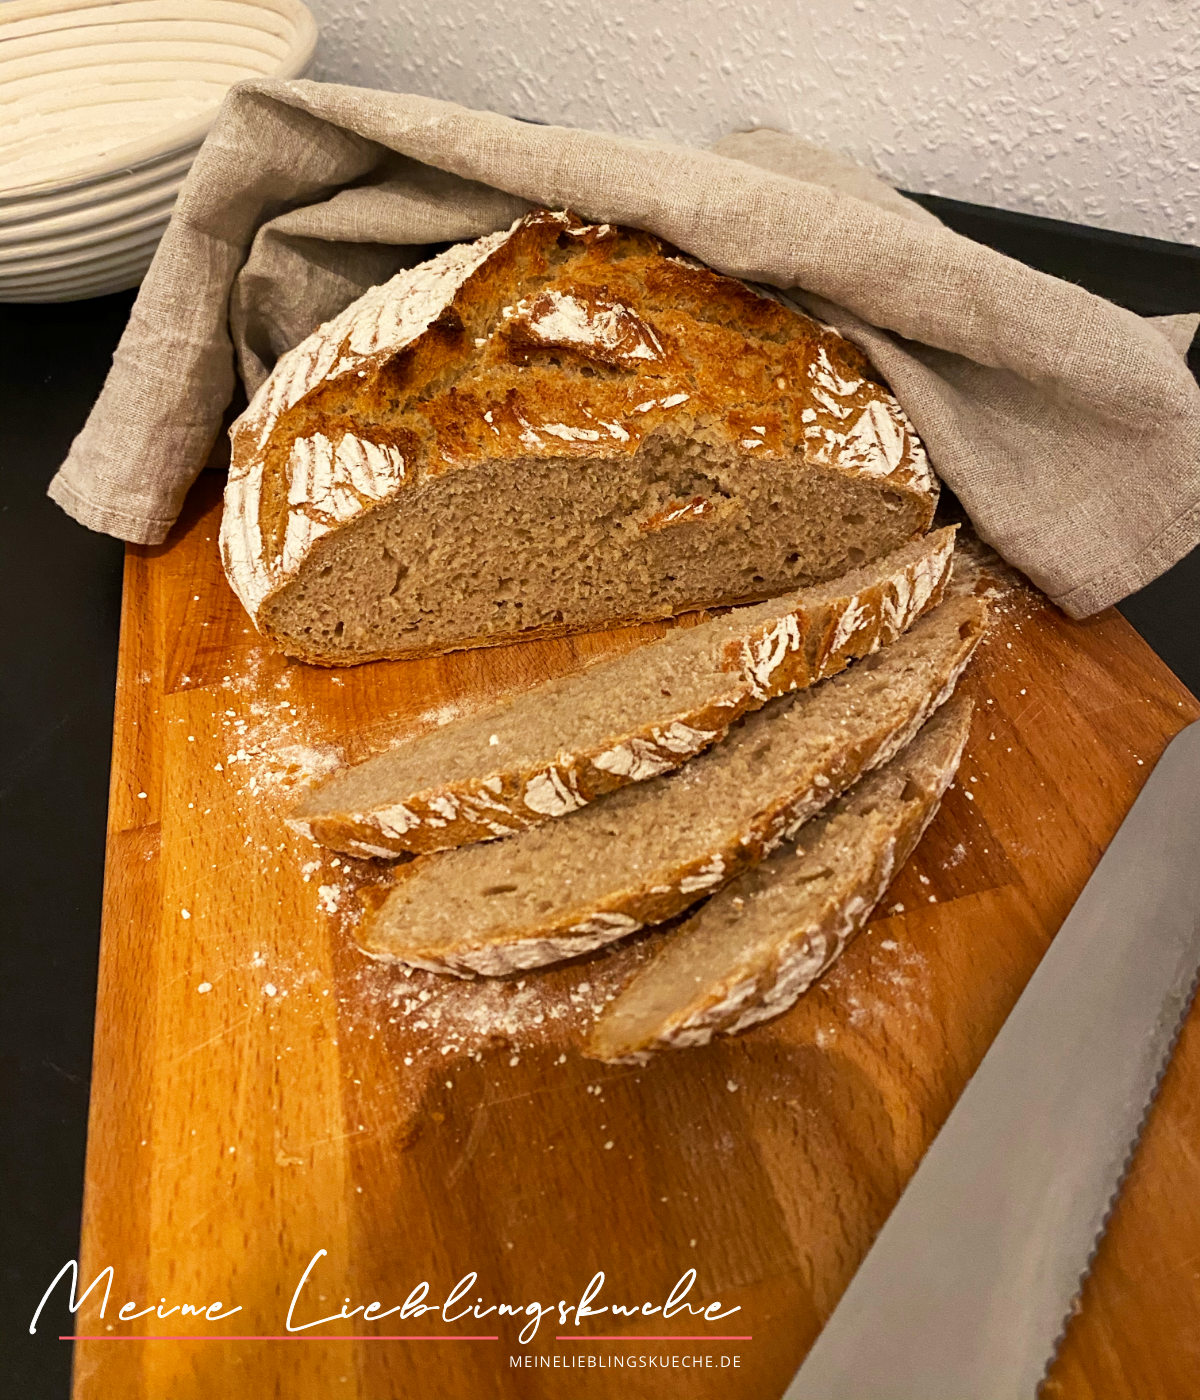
(913,792)
(853,519)
(966,629)
(499,889)
(812,875)
(855,555)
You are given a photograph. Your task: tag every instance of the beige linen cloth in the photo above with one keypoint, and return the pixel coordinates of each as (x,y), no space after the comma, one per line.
(1068,427)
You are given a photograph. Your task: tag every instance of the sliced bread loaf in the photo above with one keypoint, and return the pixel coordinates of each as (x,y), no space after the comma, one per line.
(768,935)
(560,426)
(648,851)
(553,749)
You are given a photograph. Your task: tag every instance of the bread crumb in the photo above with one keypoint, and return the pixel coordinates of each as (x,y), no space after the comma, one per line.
(204,987)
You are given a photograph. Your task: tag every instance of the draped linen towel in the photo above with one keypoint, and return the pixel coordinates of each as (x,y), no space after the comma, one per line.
(1068,427)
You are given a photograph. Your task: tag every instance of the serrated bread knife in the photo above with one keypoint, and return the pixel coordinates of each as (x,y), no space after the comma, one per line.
(965,1293)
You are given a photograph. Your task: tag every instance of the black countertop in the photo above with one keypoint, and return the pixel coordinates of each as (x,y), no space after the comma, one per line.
(62,599)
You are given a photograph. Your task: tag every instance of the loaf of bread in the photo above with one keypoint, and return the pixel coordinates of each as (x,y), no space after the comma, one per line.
(647,852)
(553,749)
(560,426)
(755,947)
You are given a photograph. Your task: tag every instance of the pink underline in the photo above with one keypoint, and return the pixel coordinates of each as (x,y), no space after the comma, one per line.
(318,1337)
(643,1337)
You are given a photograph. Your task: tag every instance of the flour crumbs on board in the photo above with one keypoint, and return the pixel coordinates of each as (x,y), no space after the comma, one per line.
(273,746)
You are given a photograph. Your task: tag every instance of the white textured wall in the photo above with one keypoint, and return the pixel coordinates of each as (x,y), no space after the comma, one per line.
(1086,110)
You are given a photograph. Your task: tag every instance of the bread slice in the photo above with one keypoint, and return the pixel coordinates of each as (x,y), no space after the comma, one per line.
(558,427)
(647,852)
(553,749)
(768,935)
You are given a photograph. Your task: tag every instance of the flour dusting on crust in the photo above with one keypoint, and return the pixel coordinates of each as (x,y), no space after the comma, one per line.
(381,322)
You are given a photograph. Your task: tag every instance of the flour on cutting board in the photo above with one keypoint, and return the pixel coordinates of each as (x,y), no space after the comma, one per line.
(273,749)
(457,1017)
(889,982)
(266,738)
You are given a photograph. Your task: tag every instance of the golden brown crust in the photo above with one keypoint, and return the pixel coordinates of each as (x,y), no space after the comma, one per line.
(561,339)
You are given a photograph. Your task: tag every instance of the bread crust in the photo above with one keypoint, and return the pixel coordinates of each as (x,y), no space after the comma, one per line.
(806,644)
(552,339)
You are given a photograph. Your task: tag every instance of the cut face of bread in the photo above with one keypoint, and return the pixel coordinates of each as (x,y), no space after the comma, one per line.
(767,936)
(649,851)
(562,426)
(553,749)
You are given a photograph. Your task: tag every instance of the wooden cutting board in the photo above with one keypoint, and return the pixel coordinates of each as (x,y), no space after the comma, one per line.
(262,1091)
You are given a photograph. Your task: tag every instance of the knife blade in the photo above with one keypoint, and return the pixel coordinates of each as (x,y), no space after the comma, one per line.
(966,1291)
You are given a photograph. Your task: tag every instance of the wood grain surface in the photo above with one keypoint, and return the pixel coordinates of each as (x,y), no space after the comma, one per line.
(262,1091)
